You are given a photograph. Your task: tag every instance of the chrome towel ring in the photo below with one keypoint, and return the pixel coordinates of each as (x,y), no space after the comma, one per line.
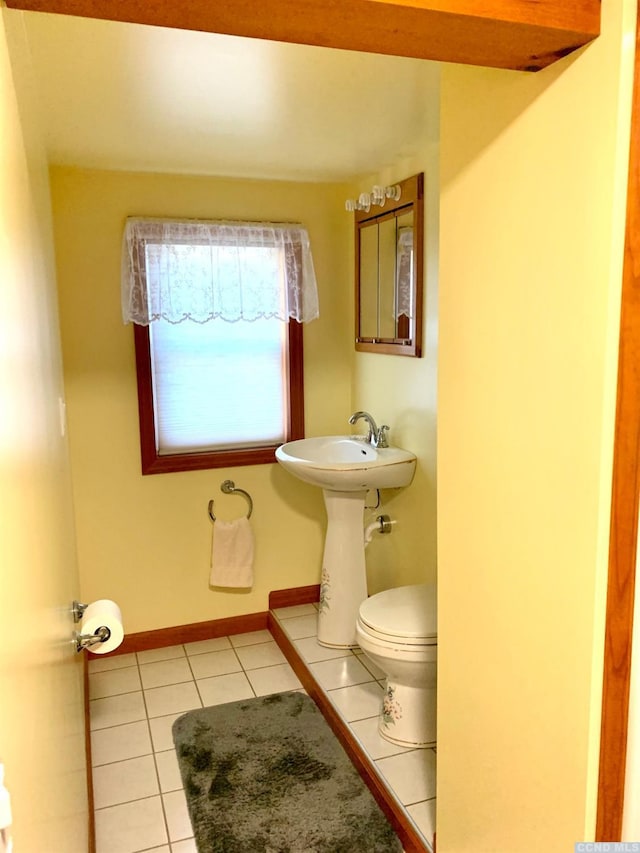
(229,487)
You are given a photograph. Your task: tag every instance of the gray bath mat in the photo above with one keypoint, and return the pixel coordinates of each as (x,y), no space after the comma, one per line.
(267,775)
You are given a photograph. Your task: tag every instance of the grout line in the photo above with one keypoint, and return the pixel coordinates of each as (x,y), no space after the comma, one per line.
(199,694)
(156,847)
(168,684)
(242,669)
(193,675)
(265,666)
(251,687)
(126,803)
(119,760)
(113,695)
(155,763)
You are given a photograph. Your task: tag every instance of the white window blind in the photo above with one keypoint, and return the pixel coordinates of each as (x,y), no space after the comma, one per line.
(218,385)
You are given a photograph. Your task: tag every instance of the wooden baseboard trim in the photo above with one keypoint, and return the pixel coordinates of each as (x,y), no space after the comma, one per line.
(296,595)
(407,833)
(195,631)
(192,633)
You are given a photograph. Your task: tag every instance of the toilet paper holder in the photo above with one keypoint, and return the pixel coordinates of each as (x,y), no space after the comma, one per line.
(85,641)
(77,608)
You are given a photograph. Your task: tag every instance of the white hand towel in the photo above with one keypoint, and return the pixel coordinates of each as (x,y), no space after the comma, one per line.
(232,553)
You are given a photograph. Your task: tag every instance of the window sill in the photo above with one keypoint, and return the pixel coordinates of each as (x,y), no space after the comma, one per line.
(152,463)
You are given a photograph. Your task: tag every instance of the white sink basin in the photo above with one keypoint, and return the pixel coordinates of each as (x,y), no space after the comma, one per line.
(343,463)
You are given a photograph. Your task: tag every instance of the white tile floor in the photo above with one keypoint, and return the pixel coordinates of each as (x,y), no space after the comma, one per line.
(139,802)
(354,685)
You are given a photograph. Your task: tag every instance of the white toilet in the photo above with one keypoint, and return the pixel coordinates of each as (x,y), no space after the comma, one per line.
(397,630)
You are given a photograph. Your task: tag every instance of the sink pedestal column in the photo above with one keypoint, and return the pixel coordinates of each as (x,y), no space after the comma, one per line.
(343,586)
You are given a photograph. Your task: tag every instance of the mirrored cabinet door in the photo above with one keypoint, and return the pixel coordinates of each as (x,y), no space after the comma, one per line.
(387,238)
(369,283)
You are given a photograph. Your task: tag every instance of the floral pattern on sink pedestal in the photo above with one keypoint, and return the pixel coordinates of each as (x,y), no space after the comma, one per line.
(344,582)
(325,595)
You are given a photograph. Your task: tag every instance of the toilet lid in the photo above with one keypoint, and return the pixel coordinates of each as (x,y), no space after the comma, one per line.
(406,611)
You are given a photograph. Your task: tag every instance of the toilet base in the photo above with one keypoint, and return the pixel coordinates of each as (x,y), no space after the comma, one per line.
(408,715)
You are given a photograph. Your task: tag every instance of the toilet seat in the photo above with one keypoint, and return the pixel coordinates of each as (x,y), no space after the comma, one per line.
(406,615)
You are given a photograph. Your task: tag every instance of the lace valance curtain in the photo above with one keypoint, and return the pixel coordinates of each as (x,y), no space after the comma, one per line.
(198,270)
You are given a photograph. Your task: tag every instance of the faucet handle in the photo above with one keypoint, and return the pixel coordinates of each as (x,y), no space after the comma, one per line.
(381,438)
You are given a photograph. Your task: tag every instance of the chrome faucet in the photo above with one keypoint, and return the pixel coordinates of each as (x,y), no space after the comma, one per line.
(376,437)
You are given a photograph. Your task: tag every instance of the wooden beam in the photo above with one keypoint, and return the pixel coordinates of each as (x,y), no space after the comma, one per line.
(515,34)
(624,511)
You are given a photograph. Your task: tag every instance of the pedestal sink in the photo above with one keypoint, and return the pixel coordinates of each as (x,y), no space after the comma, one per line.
(345,468)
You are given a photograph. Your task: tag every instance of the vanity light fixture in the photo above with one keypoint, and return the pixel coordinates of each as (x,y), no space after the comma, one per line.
(378,195)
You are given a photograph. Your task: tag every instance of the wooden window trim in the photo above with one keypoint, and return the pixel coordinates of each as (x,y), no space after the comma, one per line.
(154,463)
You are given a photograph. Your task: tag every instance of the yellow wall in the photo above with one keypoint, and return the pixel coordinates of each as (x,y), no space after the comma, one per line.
(146,541)
(41,707)
(533,174)
(402,392)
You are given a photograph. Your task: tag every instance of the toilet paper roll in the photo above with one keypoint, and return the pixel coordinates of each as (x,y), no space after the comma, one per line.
(99,614)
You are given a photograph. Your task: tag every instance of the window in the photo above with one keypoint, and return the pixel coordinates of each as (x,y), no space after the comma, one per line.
(218,340)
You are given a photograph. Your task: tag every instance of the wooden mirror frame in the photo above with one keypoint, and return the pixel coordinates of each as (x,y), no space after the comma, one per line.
(411,200)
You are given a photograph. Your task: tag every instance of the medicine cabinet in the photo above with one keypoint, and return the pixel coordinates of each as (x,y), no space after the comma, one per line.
(389,272)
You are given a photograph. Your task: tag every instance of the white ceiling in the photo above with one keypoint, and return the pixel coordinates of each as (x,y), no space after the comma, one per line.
(132,97)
